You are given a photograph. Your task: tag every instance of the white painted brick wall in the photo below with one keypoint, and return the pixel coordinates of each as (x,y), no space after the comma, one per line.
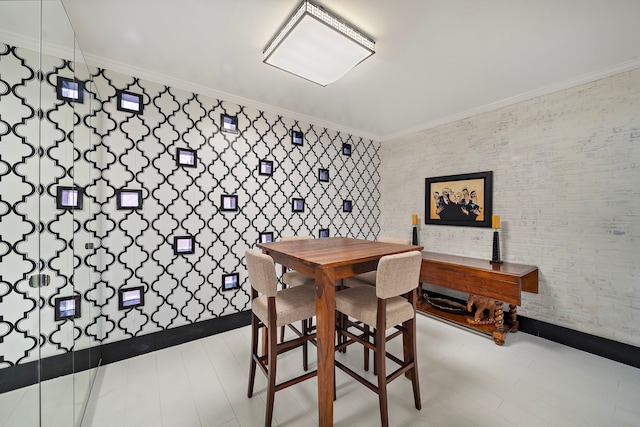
(567,187)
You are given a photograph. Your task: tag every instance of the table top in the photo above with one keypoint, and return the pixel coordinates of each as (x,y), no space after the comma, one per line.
(507,268)
(335,251)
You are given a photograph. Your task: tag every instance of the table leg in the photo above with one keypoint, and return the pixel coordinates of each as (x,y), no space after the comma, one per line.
(499,333)
(513,318)
(325,336)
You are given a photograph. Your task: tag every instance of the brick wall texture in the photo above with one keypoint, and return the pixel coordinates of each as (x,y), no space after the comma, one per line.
(566,185)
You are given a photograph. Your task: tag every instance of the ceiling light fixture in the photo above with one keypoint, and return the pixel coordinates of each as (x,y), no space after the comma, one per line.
(317,46)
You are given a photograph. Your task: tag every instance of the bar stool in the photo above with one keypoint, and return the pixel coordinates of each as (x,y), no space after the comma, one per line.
(369,279)
(392,302)
(271,308)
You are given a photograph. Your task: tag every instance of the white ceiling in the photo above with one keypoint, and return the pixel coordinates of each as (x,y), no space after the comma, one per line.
(435,60)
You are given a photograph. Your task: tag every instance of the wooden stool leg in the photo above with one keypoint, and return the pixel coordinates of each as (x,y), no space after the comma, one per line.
(366,349)
(380,367)
(272,334)
(254,354)
(305,349)
(412,357)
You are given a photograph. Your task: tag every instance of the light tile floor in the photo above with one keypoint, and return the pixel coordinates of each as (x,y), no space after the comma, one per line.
(466,380)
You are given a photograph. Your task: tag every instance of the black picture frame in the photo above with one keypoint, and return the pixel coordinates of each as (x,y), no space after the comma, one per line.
(228,203)
(186,157)
(346,149)
(265,167)
(228,123)
(323,175)
(470,199)
(130,297)
(70,90)
(265,237)
(230,281)
(347,206)
(297,137)
(69,197)
(184,245)
(128,199)
(67,308)
(129,102)
(297,205)
(323,233)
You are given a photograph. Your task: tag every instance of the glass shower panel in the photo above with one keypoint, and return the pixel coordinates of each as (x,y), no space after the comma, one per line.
(58,211)
(85,275)
(48,296)
(20,265)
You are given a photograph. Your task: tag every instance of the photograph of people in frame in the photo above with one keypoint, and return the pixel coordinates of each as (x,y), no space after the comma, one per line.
(459,200)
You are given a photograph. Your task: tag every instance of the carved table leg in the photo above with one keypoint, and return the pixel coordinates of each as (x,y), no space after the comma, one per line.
(498,334)
(513,318)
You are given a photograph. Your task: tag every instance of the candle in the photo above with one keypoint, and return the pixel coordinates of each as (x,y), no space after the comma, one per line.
(414,219)
(495,221)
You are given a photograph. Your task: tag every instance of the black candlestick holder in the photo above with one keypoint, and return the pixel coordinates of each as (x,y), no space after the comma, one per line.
(414,240)
(495,257)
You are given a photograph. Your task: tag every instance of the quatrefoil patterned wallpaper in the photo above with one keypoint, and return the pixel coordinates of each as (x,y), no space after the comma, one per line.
(95,146)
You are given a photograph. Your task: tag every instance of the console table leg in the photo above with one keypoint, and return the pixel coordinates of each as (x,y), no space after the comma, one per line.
(513,318)
(498,334)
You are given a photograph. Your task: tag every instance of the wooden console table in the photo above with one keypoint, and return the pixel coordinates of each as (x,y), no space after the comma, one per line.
(502,282)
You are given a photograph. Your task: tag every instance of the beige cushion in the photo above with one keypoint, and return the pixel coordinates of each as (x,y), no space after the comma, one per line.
(361,304)
(262,272)
(369,278)
(301,237)
(295,278)
(395,240)
(364,279)
(292,305)
(398,274)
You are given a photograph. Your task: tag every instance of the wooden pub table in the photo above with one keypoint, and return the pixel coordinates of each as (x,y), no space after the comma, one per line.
(329,260)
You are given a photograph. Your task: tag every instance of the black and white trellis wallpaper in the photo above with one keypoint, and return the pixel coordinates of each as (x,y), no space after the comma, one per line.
(95,146)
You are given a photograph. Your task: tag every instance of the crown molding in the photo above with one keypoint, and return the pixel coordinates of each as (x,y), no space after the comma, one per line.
(546,90)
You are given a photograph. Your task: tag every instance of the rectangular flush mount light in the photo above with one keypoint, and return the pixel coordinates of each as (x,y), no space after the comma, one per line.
(317,45)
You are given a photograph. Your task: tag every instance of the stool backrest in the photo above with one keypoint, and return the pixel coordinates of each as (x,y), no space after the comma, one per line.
(398,274)
(395,240)
(262,272)
(285,238)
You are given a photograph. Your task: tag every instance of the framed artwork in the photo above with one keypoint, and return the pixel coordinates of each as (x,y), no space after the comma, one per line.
(69,197)
(464,200)
(70,90)
(323,175)
(186,157)
(346,149)
(266,167)
(228,203)
(323,233)
(347,205)
(229,123)
(128,199)
(183,245)
(266,237)
(230,281)
(297,137)
(67,307)
(297,205)
(131,297)
(129,102)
